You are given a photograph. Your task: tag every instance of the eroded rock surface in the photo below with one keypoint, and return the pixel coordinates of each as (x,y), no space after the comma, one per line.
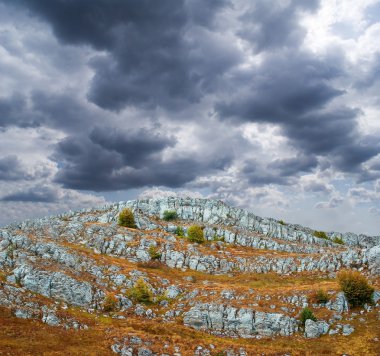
(83,262)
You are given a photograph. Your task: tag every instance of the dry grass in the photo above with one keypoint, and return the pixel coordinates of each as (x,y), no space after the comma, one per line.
(26,337)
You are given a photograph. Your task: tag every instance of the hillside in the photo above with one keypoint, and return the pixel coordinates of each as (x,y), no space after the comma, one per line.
(79,283)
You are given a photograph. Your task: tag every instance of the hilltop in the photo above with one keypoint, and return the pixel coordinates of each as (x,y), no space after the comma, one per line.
(79,283)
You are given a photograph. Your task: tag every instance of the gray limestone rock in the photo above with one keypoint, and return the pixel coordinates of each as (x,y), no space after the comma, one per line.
(340,304)
(374,260)
(311,329)
(173,291)
(242,322)
(347,330)
(54,285)
(376,296)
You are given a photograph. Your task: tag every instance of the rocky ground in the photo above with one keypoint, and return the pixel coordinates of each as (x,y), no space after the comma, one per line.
(66,284)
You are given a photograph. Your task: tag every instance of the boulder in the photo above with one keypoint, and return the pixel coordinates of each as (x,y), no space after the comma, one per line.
(347,330)
(374,260)
(314,329)
(340,304)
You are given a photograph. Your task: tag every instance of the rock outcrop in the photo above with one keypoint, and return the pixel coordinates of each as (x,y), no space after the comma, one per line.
(62,269)
(225,320)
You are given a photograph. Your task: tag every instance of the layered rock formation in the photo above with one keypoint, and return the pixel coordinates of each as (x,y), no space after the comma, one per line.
(79,259)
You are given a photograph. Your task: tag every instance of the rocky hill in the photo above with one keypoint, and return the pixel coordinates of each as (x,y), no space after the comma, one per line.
(79,283)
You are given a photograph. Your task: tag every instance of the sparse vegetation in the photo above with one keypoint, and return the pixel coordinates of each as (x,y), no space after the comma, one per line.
(10,250)
(162,324)
(355,287)
(179,231)
(170,215)
(338,240)
(109,303)
(321,235)
(162,297)
(154,253)
(195,234)
(321,297)
(141,292)
(282,222)
(306,313)
(126,218)
(151,264)
(218,238)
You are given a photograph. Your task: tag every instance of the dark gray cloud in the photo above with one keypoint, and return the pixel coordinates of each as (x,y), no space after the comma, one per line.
(291,166)
(62,111)
(108,161)
(371,77)
(35,194)
(284,87)
(279,171)
(152,58)
(11,169)
(123,85)
(257,175)
(137,148)
(293,90)
(14,112)
(271,25)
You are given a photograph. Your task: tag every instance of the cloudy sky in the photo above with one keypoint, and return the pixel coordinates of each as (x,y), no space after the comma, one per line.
(269,105)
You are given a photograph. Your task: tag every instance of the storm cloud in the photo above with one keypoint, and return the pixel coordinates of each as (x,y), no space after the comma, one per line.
(152,55)
(253,102)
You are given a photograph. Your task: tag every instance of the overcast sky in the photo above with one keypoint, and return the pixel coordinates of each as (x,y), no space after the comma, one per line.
(269,105)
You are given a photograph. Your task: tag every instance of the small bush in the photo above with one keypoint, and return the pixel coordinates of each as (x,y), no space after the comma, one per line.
(10,251)
(321,297)
(321,235)
(109,303)
(179,231)
(282,222)
(355,287)
(141,292)
(126,218)
(307,313)
(195,234)
(338,240)
(218,238)
(154,253)
(170,215)
(162,297)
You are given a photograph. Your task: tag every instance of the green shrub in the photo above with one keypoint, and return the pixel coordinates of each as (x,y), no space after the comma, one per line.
(321,297)
(179,231)
(282,222)
(195,234)
(355,287)
(218,238)
(162,297)
(170,215)
(141,292)
(126,218)
(338,240)
(321,235)
(154,253)
(307,313)
(109,303)
(10,251)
